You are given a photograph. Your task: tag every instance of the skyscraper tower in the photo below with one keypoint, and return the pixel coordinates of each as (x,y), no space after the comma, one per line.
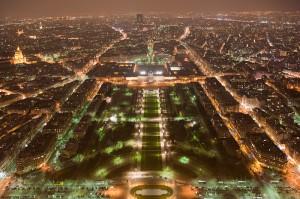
(41,26)
(140,19)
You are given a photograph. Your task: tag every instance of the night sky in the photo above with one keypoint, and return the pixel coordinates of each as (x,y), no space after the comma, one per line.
(24,8)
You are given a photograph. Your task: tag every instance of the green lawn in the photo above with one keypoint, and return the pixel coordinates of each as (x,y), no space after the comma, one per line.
(150,114)
(151,100)
(151,161)
(151,149)
(151,106)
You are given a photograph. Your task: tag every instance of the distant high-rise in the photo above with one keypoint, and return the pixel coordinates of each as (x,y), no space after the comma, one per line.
(140,19)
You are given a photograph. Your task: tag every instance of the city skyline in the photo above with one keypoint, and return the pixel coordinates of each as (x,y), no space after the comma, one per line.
(141,99)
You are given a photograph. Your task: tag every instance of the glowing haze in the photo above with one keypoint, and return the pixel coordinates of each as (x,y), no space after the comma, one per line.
(23,8)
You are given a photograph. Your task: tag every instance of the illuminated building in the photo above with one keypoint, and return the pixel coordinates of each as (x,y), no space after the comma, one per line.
(251,103)
(36,153)
(19,58)
(20,32)
(266,152)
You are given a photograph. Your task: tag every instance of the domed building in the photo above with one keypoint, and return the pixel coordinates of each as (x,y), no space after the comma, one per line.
(19,58)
